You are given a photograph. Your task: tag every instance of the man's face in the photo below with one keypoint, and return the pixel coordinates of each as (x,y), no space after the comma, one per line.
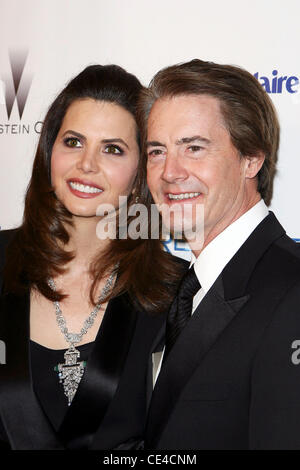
(191,159)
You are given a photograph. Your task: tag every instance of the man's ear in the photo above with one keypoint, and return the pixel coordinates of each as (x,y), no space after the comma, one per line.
(254,164)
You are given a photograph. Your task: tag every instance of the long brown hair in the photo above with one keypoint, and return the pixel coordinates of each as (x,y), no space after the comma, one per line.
(145,271)
(248,112)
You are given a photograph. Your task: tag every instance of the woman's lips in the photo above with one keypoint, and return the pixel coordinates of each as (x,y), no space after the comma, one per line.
(84,189)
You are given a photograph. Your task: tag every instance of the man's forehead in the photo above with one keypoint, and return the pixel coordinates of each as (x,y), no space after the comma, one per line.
(185,106)
(185,113)
(189,99)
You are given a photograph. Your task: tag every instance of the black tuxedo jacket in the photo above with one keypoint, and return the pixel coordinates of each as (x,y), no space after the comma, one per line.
(230,381)
(109,409)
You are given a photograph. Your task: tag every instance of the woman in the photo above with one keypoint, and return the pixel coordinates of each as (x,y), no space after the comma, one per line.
(76,311)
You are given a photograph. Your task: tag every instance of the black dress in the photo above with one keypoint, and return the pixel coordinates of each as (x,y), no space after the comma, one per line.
(46,381)
(110,406)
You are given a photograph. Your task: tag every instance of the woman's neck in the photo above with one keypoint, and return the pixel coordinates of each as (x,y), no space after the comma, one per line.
(84,242)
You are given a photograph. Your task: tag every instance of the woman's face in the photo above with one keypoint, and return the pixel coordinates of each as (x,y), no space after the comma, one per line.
(94,157)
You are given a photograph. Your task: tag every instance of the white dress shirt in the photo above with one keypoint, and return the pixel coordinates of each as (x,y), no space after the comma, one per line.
(214,257)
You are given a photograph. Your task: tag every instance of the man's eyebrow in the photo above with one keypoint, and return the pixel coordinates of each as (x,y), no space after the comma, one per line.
(113,140)
(184,140)
(195,138)
(154,143)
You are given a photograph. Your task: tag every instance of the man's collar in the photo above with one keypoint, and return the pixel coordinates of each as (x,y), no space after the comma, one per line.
(215,256)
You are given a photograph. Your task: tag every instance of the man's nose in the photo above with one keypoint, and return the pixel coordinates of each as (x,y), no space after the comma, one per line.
(88,161)
(174,169)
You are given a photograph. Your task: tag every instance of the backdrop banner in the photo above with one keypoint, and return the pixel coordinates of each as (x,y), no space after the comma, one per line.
(45,43)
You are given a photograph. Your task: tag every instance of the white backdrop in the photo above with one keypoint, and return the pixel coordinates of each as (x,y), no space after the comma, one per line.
(61,37)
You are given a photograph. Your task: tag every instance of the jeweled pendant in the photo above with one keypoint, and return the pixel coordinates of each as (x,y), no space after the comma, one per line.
(70,373)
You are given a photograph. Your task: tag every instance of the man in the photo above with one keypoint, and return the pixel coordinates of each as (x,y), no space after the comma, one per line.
(228,378)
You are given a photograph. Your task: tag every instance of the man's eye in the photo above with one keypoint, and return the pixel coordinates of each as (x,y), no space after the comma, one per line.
(72,142)
(113,149)
(195,148)
(154,152)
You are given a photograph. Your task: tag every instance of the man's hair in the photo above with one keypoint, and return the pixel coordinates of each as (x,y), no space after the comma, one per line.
(247,110)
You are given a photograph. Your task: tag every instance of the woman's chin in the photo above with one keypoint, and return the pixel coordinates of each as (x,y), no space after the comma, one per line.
(79,212)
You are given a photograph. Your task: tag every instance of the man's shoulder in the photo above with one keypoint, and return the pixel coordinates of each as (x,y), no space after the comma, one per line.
(287,252)
(275,248)
(288,246)
(278,270)
(280,263)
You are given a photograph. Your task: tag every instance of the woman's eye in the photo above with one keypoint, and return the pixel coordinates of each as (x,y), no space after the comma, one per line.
(72,142)
(113,149)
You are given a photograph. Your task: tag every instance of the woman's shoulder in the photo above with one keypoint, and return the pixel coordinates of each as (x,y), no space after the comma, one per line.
(6,236)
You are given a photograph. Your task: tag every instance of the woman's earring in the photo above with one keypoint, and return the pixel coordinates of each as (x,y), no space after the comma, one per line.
(137,199)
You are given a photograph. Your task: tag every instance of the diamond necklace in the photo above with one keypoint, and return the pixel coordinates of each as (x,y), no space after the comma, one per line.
(70,373)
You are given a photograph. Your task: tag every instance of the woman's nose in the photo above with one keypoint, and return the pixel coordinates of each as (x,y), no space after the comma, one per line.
(88,161)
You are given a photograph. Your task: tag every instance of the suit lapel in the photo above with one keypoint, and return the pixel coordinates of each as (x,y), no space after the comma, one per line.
(102,374)
(207,323)
(157,346)
(217,309)
(24,420)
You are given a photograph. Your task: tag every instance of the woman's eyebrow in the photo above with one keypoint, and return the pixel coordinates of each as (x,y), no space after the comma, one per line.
(112,140)
(77,134)
(103,141)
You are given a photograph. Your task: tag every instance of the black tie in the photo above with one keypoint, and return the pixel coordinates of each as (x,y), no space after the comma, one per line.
(181,309)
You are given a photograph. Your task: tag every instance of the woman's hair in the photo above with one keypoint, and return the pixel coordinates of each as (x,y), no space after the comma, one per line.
(37,251)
